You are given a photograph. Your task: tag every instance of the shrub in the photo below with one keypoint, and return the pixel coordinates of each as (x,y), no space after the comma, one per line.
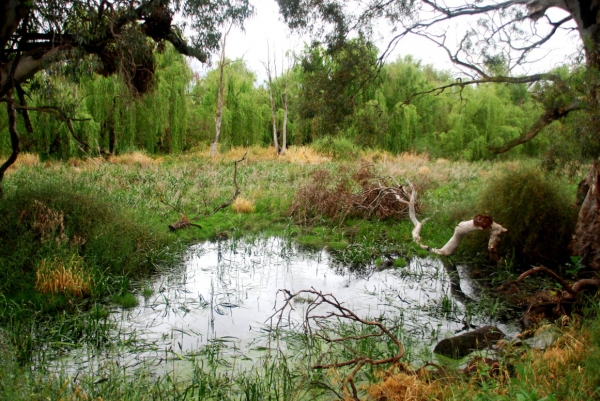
(340,148)
(537,210)
(348,192)
(44,226)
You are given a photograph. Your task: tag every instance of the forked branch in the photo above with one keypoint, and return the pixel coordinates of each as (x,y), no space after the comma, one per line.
(572,290)
(479,222)
(320,310)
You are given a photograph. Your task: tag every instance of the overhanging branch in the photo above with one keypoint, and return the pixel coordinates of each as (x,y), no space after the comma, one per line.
(544,120)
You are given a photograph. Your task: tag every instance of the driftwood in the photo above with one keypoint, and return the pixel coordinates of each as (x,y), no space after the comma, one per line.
(315,323)
(479,222)
(184,221)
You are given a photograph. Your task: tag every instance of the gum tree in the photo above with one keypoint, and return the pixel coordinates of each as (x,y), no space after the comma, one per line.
(108,37)
(490,41)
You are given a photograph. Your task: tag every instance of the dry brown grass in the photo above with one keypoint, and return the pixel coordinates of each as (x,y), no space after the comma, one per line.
(48,223)
(135,158)
(24,159)
(405,387)
(293,154)
(56,275)
(243,205)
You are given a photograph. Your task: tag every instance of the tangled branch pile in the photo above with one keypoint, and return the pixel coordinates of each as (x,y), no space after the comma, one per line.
(346,193)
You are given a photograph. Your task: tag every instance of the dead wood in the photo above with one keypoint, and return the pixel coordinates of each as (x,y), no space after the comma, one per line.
(184,221)
(315,323)
(343,194)
(572,290)
(479,222)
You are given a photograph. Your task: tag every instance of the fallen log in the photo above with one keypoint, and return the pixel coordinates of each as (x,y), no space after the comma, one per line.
(479,222)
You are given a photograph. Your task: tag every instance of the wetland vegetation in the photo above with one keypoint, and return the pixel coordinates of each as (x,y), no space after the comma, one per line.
(77,331)
(169,235)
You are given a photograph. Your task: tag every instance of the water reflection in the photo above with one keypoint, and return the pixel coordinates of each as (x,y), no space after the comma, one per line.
(227,291)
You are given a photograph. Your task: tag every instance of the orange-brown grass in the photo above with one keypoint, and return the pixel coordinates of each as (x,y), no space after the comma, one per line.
(304,155)
(134,158)
(56,276)
(404,387)
(243,205)
(557,369)
(24,159)
(293,154)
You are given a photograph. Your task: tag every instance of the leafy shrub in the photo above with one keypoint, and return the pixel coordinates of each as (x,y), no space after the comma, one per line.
(52,222)
(340,148)
(537,211)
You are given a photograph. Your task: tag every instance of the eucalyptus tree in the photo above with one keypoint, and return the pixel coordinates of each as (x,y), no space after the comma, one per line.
(479,35)
(109,37)
(334,81)
(245,111)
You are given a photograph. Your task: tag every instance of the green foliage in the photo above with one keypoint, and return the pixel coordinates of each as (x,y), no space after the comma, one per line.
(339,148)
(333,83)
(70,221)
(536,209)
(127,300)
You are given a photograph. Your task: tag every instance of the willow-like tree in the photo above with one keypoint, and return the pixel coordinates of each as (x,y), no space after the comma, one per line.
(108,37)
(479,36)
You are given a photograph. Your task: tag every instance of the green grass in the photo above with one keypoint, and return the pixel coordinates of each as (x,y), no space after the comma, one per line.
(115,217)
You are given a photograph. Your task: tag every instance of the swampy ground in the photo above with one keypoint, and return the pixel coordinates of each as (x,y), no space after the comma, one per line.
(85,241)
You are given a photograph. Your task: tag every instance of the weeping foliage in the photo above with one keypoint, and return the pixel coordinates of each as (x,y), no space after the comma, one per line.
(246,113)
(335,97)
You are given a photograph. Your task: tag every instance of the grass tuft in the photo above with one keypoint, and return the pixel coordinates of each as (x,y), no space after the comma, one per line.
(135,158)
(243,205)
(56,276)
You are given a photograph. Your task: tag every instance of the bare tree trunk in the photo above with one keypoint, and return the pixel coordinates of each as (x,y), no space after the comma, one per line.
(218,118)
(284,128)
(463,228)
(586,240)
(272,99)
(285,100)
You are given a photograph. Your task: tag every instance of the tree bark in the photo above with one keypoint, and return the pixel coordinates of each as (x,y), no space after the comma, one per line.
(14,140)
(218,118)
(586,240)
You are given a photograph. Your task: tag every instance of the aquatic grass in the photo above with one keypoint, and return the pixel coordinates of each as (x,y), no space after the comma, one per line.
(126,300)
(133,192)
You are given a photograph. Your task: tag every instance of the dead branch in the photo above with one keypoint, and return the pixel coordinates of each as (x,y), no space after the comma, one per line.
(335,196)
(184,221)
(315,323)
(479,222)
(571,289)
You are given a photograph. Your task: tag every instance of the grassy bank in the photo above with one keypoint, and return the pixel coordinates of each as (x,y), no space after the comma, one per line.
(77,235)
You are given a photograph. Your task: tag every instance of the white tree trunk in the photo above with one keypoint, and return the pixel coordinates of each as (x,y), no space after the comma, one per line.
(219,114)
(272,99)
(463,228)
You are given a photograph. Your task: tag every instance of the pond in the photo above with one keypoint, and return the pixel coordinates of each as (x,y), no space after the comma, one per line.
(227,291)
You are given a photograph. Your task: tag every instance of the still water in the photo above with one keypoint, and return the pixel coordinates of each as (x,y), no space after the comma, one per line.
(227,291)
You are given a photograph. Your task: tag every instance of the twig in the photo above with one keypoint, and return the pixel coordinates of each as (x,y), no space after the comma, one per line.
(339,311)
